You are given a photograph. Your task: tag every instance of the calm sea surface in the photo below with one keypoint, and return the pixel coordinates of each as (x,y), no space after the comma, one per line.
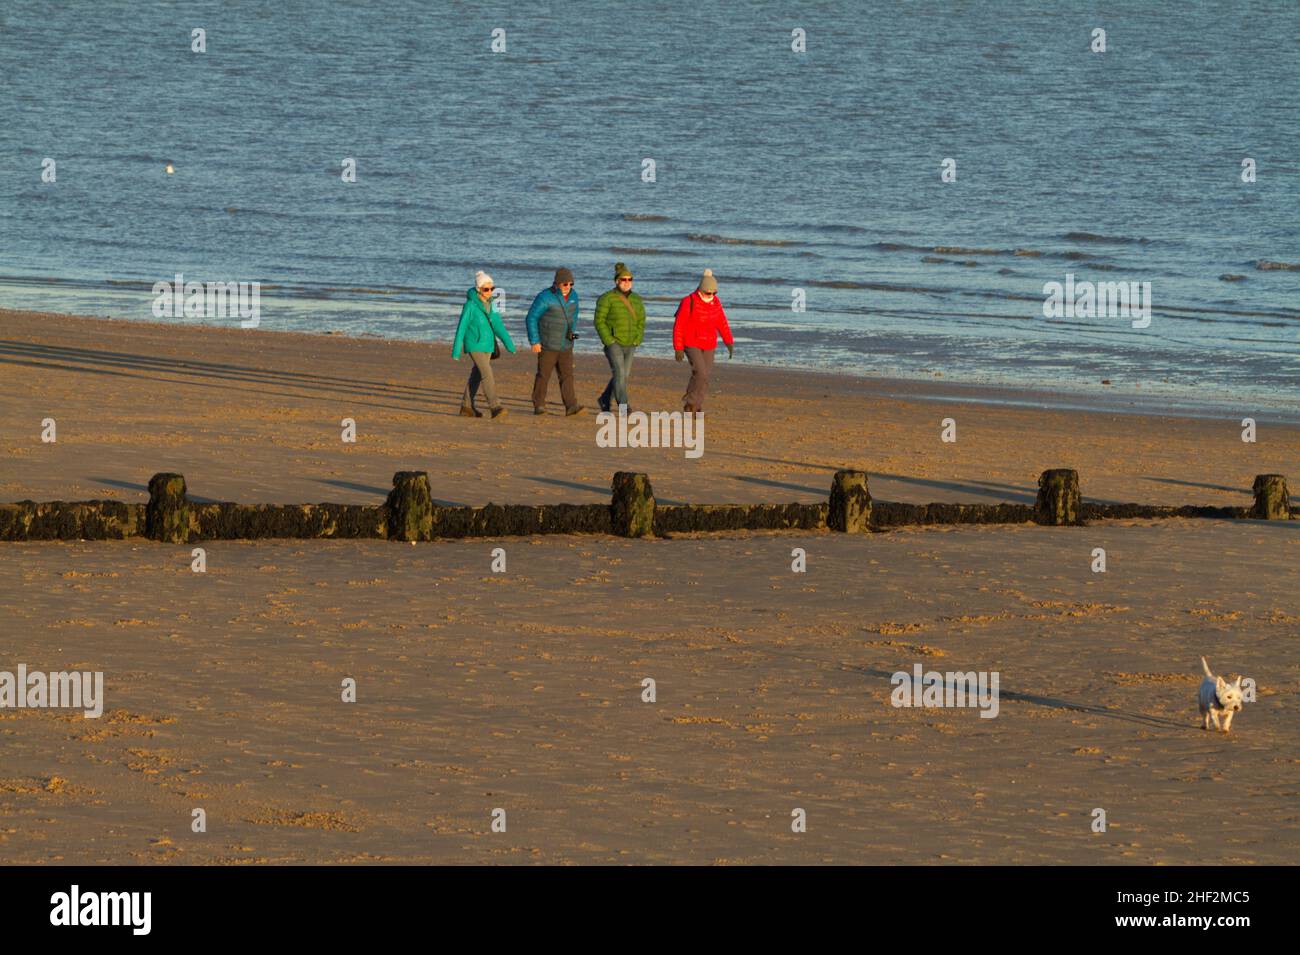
(780,171)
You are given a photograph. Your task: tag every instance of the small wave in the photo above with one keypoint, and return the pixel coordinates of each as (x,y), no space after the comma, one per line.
(643,217)
(1264,265)
(963,250)
(133,157)
(727,240)
(959,250)
(628,250)
(900,247)
(836,229)
(1110,239)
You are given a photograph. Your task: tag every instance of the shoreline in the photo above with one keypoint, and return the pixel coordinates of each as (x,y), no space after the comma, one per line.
(936,388)
(254,417)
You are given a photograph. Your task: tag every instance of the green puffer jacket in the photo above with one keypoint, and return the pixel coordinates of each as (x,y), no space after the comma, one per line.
(479,328)
(620,319)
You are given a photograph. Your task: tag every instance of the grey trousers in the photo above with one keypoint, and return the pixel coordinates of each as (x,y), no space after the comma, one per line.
(701,360)
(481,373)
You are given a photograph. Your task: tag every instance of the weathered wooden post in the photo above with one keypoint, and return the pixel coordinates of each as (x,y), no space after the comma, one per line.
(632,506)
(850,510)
(1058,498)
(167,515)
(410,507)
(1272,503)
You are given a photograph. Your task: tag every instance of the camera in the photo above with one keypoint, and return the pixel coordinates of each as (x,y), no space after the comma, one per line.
(572,336)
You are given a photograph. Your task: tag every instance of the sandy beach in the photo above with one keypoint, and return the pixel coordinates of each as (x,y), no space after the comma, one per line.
(523,690)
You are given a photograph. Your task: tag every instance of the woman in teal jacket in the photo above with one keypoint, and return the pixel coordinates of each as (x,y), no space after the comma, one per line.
(480,327)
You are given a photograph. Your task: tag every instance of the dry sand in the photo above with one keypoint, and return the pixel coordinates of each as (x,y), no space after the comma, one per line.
(523,690)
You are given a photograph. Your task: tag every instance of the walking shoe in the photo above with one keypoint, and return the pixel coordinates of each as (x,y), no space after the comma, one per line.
(498,412)
(603,405)
(467,412)
(539,411)
(570,412)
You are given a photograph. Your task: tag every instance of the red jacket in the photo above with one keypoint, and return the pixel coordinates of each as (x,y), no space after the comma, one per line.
(699,322)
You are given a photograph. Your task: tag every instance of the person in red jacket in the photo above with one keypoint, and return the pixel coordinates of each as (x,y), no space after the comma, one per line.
(700,319)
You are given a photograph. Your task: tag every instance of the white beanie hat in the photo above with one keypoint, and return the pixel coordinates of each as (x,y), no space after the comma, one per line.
(481,279)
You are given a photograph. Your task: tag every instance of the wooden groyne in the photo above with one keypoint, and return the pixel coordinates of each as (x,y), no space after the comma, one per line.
(409,514)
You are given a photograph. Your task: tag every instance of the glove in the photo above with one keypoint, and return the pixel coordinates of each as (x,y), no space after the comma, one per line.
(729,352)
(536,349)
(680,355)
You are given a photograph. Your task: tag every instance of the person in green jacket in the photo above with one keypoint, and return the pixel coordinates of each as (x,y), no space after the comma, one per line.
(620,322)
(480,327)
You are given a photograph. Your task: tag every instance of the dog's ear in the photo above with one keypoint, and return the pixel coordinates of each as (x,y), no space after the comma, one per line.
(1237,683)
(1219,683)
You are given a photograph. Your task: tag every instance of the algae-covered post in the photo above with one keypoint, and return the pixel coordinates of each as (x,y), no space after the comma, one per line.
(167,515)
(850,506)
(1272,503)
(632,506)
(1058,501)
(410,507)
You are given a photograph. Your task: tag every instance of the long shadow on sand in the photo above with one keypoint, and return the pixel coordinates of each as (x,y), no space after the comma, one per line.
(1034,699)
(1015,493)
(1212,487)
(209,374)
(353,486)
(369,489)
(815,492)
(604,492)
(1056,703)
(984,489)
(144,489)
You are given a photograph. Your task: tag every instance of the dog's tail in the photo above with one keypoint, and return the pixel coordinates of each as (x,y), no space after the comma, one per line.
(1207,668)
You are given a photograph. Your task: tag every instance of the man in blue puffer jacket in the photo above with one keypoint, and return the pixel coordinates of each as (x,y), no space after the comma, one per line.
(551,323)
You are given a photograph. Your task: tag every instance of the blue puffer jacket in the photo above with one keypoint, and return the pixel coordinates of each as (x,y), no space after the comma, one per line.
(551,318)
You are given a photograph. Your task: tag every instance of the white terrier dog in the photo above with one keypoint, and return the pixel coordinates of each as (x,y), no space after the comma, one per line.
(1218,696)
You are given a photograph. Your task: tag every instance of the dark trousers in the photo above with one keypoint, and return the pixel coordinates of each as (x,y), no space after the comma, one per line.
(561,361)
(701,360)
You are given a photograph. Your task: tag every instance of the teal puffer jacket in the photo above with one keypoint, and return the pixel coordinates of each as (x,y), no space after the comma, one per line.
(479,327)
